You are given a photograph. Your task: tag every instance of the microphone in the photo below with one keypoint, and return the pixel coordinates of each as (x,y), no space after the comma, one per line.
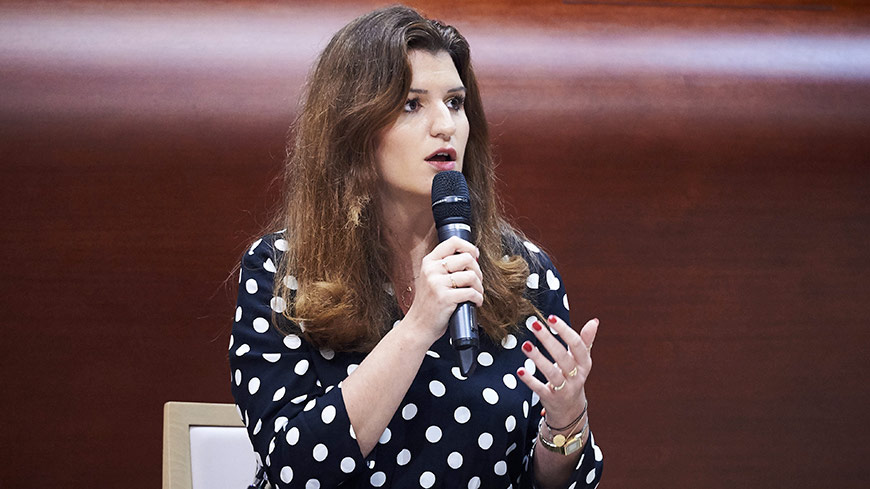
(451,208)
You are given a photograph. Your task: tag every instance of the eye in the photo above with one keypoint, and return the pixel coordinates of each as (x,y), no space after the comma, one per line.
(456,103)
(412,105)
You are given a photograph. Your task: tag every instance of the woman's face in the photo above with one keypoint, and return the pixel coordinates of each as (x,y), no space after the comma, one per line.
(430,133)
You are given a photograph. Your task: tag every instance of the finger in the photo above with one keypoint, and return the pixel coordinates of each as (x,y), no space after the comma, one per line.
(589,331)
(576,344)
(460,262)
(452,246)
(465,278)
(551,371)
(557,351)
(533,383)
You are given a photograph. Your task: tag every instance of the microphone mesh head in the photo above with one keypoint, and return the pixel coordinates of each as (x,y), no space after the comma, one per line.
(450,184)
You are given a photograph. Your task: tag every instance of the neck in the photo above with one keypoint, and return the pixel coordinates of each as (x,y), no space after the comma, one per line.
(410,235)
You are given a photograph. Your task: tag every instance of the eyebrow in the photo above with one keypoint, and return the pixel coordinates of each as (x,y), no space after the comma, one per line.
(452,90)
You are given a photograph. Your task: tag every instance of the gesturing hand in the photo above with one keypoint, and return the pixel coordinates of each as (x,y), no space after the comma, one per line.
(563,396)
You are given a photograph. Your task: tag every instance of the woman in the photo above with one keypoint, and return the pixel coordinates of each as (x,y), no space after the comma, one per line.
(341,367)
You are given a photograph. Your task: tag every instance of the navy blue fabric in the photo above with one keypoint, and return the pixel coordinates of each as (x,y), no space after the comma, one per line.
(449,432)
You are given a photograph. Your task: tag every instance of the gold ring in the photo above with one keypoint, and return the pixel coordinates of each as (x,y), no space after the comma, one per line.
(444,264)
(573,373)
(452,282)
(558,387)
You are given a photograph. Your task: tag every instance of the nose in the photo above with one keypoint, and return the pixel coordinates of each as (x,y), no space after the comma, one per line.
(442,126)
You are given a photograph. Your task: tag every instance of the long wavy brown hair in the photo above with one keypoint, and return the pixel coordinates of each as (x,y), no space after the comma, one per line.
(331,213)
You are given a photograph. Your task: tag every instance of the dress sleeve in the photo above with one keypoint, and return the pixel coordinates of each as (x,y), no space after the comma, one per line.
(299,428)
(547,292)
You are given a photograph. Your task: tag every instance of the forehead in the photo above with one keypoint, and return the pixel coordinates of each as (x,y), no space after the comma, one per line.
(428,67)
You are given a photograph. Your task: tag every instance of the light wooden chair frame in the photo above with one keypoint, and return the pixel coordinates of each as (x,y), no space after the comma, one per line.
(178,417)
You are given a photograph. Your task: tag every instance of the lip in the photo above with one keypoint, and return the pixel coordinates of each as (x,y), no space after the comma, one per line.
(451,153)
(443,165)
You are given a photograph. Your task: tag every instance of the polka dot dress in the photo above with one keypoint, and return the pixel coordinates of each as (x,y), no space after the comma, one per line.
(449,431)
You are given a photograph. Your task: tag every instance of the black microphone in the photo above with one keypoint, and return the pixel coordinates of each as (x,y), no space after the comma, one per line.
(451,207)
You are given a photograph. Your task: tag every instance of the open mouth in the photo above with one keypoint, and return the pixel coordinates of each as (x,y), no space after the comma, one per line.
(443,155)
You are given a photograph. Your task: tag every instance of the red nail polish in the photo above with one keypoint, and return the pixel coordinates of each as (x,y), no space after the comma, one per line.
(527,346)
(552,319)
(521,371)
(537,326)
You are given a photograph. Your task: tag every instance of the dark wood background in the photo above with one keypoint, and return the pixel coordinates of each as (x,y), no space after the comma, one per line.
(698,170)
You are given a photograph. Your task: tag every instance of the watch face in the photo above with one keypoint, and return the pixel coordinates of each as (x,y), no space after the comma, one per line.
(573,445)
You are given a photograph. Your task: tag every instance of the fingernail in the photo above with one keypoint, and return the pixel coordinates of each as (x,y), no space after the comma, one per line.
(527,346)
(521,371)
(596,321)
(552,319)
(537,326)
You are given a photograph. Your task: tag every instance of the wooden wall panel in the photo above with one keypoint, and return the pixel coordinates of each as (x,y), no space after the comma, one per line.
(699,173)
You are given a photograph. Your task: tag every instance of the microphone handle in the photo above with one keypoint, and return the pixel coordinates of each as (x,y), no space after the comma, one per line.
(463,321)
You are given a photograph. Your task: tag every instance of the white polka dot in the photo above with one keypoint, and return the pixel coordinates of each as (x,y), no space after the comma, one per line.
(352,433)
(433,434)
(279,394)
(456,373)
(598,455)
(532,281)
(427,480)
(378,479)
(269,265)
(278,304)
(240,276)
(272,445)
(500,468)
(510,449)
(310,405)
(298,399)
(529,321)
(327,353)
(531,247)
(510,423)
(352,368)
(462,415)
(530,367)
(484,359)
(258,426)
(238,377)
(509,381)
(328,414)
(312,484)
(580,462)
(404,457)
(526,409)
(535,398)
(242,350)
(271,357)
(565,302)
(261,325)
(454,460)
(347,465)
(286,474)
(254,246)
(385,436)
(290,282)
(509,342)
(590,476)
(433,354)
(371,464)
(573,485)
(253,385)
(281,245)
(238,313)
(437,388)
(552,280)
(292,341)
(490,395)
(301,367)
(474,483)
(409,411)
(320,452)
(251,286)
(232,340)
(484,441)
(280,423)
